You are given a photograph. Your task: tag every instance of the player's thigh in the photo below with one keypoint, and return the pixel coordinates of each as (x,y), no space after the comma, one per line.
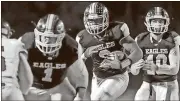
(16,94)
(143,92)
(65,89)
(111,88)
(174,90)
(37,94)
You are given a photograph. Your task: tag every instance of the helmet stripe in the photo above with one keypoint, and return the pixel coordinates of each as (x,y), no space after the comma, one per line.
(49,22)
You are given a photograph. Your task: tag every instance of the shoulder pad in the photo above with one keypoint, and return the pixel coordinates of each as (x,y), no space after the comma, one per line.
(174,34)
(80,35)
(170,36)
(115,30)
(115,23)
(141,36)
(28,39)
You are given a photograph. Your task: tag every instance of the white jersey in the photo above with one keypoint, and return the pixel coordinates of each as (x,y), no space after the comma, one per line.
(10,57)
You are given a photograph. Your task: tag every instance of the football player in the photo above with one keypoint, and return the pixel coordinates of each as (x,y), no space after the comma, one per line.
(104,43)
(160,62)
(16,75)
(51,58)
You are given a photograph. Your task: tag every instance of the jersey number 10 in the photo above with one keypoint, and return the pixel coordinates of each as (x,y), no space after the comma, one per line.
(159,58)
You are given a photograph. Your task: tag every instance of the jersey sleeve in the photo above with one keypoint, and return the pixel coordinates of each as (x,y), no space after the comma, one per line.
(21,48)
(176,37)
(120,30)
(28,39)
(80,36)
(125,29)
(140,37)
(71,42)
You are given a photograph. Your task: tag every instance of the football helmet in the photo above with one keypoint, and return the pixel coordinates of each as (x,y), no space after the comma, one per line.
(49,34)
(96,18)
(157,20)
(6,29)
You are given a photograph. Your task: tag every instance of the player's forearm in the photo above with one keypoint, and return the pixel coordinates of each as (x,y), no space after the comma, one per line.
(80,74)
(135,53)
(167,69)
(80,92)
(28,69)
(83,79)
(26,76)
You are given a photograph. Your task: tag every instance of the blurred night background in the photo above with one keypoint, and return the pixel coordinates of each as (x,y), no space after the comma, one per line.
(20,14)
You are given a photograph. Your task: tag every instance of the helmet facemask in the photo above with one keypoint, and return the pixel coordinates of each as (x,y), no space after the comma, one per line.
(96,18)
(157,21)
(49,40)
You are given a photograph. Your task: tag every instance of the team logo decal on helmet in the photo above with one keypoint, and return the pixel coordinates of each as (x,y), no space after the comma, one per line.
(157,20)
(96,18)
(49,34)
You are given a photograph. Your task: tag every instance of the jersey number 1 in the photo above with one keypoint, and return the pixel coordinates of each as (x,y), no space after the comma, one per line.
(3,66)
(48,74)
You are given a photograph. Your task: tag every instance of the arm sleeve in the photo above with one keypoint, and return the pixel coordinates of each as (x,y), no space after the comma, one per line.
(135,53)
(125,29)
(173,68)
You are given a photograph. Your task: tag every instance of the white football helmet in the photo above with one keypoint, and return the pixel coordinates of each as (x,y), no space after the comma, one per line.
(161,26)
(49,34)
(96,18)
(6,29)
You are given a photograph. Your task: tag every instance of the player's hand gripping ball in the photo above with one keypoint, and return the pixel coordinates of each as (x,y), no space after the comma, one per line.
(113,60)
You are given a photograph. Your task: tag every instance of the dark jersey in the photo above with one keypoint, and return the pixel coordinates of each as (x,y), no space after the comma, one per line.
(105,48)
(48,73)
(157,54)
